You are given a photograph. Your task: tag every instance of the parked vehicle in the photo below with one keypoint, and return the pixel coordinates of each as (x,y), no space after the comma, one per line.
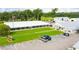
(45,38)
(66,34)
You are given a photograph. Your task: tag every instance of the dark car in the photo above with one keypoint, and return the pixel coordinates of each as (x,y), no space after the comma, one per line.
(66,34)
(45,38)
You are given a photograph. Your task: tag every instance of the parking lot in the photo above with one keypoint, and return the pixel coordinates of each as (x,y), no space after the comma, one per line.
(58,42)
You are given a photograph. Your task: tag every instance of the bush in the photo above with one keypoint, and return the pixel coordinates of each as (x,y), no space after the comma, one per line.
(32,18)
(4,30)
(1,22)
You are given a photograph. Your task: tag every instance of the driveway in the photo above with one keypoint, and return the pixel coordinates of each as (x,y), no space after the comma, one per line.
(58,42)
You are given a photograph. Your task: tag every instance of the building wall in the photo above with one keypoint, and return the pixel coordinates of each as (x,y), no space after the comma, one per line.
(58,21)
(61,28)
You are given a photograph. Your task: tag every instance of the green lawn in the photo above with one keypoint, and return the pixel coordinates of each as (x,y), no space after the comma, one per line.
(46,18)
(30,34)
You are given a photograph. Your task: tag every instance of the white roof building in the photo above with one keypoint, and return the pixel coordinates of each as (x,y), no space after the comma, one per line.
(70,25)
(60,19)
(67,26)
(74,19)
(76,45)
(25,24)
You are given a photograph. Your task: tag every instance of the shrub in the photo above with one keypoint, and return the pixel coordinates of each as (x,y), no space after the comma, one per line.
(1,22)
(4,30)
(32,18)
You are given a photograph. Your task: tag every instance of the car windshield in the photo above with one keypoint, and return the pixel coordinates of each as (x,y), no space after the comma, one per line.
(46,36)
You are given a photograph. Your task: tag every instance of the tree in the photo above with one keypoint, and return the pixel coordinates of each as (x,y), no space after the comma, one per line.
(1,22)
(4,30)
(5,16)
(53,12)
(37,14)
(27,14)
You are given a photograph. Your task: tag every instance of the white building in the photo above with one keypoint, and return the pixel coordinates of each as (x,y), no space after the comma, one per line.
(26,24)
(60,19)
(74,19)
(64,19)
(66,26)
(76,46)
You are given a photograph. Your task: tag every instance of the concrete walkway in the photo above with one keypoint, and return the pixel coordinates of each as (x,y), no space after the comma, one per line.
(57,43)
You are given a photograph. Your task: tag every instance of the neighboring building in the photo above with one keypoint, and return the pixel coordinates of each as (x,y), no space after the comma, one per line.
(74,19)
(76,46)
(26,24)
(66,26)
(60,19)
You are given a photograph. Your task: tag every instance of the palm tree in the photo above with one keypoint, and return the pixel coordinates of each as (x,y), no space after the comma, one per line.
(4,16)
(37,14)
(28,14)
(54,11)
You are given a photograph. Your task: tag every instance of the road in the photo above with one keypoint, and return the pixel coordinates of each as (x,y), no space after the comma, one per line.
(59,42)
